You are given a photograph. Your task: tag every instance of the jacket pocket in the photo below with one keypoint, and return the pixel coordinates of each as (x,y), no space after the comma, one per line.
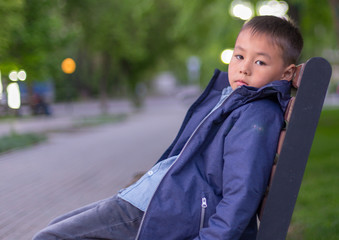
(203,211)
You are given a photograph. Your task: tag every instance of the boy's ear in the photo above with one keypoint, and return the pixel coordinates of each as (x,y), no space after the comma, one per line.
(288,72)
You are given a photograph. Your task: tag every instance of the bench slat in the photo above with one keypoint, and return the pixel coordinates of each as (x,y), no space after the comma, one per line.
(312,79)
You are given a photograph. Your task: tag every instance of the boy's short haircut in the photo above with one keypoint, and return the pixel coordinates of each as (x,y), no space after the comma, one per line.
(283,32)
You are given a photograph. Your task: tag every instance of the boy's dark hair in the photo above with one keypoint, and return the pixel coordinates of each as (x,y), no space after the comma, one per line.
(283,32)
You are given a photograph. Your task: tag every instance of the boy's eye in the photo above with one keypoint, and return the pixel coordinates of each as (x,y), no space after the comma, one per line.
(261,63)
(239,57)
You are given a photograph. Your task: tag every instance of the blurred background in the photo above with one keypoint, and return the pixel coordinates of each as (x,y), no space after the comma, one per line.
(124,62)
(118,48)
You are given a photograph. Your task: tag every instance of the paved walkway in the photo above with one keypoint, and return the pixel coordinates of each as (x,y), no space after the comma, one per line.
(63,116)
(77,167)
(74,168)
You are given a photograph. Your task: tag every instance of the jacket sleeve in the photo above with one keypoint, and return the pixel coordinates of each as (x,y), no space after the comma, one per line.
(249,150)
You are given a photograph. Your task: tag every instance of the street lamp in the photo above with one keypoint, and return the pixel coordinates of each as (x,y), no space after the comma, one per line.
(13,89)
(1,87)
(68,66)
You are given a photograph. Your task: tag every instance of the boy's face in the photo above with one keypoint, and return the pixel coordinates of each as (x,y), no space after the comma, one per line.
(257,61)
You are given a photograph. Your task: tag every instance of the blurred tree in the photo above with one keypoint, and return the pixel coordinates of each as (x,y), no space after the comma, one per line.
(118,45)
(120,42)
(206,29)
(316,24)
(12,20)
(35,41)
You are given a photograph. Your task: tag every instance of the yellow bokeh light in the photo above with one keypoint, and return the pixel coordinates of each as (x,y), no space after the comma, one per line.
(68,65)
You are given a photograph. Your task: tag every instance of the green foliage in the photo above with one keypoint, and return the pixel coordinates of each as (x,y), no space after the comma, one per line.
(316,21)
(119,44)
(11,19)
(15,141)
(203,29)
(33,39)
(316,212)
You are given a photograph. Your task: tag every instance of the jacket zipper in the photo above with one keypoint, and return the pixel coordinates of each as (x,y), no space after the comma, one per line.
(203,210)
(189,139)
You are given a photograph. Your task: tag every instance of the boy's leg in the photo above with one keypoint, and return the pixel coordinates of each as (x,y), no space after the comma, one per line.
(111,218)
(77,211)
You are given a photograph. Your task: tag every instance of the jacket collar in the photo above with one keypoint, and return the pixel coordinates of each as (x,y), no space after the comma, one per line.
(277,90)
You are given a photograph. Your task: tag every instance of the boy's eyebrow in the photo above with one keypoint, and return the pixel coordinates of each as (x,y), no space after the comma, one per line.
(264,54)
(258,53)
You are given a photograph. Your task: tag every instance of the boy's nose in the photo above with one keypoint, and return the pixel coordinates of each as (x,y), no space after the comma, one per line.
(245,69)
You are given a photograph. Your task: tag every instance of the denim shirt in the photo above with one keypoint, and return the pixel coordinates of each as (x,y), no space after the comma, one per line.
(140,193)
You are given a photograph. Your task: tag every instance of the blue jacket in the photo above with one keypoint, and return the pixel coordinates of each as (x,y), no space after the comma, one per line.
(214,188)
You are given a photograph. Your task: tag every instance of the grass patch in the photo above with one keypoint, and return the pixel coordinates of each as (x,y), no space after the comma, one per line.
(99,120)
(316,215)
(15,141)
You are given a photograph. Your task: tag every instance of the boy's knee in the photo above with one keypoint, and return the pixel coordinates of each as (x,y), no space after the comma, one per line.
(44,235)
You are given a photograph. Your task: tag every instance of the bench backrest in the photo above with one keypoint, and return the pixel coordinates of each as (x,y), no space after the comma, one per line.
(302,115)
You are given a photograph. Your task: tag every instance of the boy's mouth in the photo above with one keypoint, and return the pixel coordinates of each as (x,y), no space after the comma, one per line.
(241,82)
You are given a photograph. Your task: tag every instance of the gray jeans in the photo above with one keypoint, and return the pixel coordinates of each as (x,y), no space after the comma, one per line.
(111,218)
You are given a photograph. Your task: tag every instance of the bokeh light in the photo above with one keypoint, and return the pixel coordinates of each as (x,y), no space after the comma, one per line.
(275,8)
(245,10)
(68,65)
(226,56)
(13,76)
(13,96)
(242,9)
(22,75)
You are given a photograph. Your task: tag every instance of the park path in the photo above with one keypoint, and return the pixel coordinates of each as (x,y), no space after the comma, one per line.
(77,167)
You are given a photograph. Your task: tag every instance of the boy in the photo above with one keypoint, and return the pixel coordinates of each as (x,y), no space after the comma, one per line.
(209,183)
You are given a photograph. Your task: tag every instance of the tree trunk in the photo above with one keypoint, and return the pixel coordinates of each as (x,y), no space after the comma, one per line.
(335,11)
(103,83)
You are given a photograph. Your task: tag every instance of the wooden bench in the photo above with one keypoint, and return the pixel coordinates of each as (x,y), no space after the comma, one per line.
(302,115)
